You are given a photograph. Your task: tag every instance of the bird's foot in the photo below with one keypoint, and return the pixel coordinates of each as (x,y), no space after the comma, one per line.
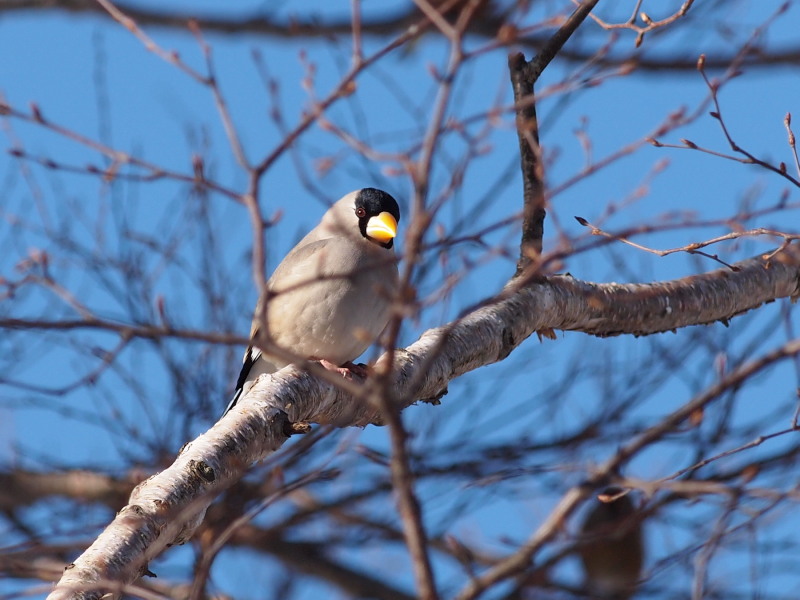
(347,370)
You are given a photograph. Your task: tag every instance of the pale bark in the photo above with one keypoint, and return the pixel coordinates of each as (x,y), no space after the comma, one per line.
(167,508)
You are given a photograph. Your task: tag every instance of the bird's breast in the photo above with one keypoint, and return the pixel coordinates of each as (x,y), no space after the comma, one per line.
(335,304)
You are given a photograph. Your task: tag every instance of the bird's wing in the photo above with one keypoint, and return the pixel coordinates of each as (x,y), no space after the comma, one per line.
(296,268)
(300,266)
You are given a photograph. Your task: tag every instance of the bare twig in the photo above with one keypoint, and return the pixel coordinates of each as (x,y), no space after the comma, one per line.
(408,503)
(559,38)
(171,57)
(707,461)
(694,247)
(787,121)
(714,85)
(649,24)
(204,567)
(222,106)
(118,158)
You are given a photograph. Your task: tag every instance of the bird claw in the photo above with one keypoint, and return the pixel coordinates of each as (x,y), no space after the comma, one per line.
(347,370)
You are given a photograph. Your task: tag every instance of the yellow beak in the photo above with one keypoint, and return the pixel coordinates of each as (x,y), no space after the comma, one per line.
(382,227)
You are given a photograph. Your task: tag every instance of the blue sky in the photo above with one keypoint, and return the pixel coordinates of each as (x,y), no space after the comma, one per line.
(93,76)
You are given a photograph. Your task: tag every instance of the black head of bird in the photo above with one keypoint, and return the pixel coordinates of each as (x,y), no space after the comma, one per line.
(370,214)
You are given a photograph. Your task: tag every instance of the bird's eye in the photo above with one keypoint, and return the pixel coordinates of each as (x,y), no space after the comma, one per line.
(361,212)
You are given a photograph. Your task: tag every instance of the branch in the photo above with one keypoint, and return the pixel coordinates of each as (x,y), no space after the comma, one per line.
(168,507)
(313,560)
(20,488)
(524,75)
(559,38)
(487,27)
(530,153)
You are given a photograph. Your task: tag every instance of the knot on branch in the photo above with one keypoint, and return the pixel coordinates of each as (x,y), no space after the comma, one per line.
(202,470)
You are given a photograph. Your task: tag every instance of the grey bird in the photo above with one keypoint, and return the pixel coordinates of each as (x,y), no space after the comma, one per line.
(613,556)
(330,297)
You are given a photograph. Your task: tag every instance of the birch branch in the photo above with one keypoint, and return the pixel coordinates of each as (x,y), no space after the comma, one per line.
(166,508)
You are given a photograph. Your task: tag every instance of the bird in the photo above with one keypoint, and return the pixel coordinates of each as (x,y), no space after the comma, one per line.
(330,297)
(613,555)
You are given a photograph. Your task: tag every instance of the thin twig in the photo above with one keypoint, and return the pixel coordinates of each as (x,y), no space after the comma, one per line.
(649,24)
(693,248)
(117,157)
(222,106)
(558,39)
(706,461)
(171,57)
(202,570)
(787,121)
